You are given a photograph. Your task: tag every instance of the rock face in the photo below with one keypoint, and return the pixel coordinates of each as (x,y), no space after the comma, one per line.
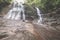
(51,25)
(52,19)
(17,30)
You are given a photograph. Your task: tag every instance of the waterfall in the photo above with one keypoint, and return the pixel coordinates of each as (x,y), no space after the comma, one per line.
(39,15)
(23,16)
(15,12)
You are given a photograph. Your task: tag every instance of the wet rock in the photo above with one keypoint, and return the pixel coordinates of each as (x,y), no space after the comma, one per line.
(3,35)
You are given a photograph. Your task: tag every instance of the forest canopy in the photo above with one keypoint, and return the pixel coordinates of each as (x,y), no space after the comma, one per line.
(44,4)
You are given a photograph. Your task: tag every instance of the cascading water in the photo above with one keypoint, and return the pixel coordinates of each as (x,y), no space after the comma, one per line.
(15,12)
(39,14)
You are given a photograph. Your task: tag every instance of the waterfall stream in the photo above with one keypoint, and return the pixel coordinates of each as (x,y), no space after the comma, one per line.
(15,12)
(39,15)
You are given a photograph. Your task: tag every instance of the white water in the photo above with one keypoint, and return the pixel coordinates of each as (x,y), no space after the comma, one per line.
(15,12)
(39,14)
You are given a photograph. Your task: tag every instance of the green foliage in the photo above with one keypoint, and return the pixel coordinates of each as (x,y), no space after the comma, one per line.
(8,1)
(4,3)
(34,2)
(45,4)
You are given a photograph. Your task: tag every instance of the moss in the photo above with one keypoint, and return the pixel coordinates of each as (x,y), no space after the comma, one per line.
(4,4)
(30,11)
